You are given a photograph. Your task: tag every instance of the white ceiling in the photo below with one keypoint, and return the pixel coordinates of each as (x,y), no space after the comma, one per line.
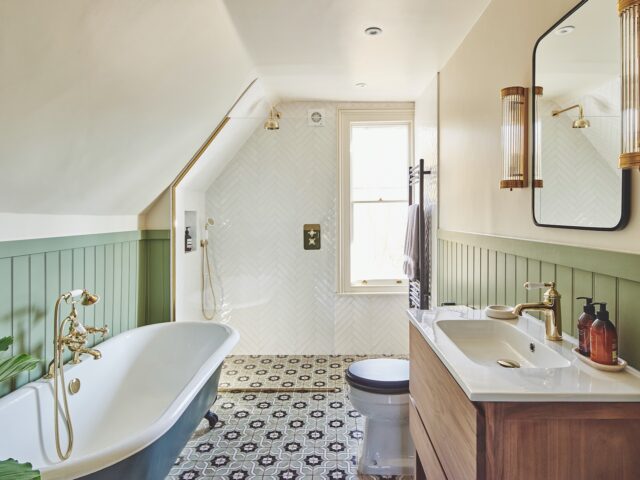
(317,49)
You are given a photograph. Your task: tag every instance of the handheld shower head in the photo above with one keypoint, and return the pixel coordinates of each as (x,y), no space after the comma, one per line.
(86,298)
(208,223)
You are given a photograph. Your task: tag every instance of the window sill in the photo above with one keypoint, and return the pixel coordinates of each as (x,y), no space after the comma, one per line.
(373,293)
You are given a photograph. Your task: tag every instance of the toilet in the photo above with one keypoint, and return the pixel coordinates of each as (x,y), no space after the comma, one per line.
(379,390)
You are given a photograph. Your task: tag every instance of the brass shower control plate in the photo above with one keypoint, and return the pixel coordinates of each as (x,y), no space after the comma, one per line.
(311,236)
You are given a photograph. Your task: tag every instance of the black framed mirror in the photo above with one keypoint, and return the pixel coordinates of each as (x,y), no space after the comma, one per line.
(577,124)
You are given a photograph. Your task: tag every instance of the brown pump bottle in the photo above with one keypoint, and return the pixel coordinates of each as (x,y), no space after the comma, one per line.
(604,338)
(584,325)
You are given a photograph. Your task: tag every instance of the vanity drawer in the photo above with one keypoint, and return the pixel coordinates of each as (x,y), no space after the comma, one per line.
(426,454)
(451,420)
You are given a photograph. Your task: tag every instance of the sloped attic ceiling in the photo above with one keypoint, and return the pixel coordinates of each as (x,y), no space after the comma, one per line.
(105,101)
(247,115)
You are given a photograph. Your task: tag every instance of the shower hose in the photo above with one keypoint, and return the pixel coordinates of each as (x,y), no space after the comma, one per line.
(207,282)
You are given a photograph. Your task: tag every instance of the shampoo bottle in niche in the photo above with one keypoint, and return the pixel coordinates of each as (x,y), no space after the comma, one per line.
(584,325)
(188,241)
(604,338)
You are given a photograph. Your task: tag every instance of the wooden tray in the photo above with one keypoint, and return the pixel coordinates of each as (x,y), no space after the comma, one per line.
(622,364)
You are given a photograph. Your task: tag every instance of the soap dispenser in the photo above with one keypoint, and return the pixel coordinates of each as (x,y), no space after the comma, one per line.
(188,240)
(584,325)
(604,338)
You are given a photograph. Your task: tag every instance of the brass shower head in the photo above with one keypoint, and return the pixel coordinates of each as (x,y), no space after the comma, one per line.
(580,122)
(272,122)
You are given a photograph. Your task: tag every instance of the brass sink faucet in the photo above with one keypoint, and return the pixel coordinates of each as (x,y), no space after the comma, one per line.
(550,308)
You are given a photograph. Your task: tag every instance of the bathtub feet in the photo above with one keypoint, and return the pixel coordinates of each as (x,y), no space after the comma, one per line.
(212,418)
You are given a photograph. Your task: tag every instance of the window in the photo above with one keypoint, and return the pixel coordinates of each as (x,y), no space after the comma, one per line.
(375,151)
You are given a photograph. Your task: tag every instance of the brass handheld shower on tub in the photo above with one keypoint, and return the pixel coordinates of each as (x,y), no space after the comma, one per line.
(75,341)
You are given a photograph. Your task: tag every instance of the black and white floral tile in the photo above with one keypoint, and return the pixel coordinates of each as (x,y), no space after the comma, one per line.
(279,435)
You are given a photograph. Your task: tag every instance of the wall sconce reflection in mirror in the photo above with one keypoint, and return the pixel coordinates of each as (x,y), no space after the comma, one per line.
(515,137)
(537,160)
(629,12)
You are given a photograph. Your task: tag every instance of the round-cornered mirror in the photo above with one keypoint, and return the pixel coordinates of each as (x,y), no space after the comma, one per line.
(576,122)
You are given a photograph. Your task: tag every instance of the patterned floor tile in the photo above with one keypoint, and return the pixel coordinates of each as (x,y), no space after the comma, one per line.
(281,434)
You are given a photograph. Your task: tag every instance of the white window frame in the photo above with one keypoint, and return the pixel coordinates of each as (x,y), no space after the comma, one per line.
(347,118)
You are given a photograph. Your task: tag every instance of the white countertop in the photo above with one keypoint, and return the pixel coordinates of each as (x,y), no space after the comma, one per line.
(576,383)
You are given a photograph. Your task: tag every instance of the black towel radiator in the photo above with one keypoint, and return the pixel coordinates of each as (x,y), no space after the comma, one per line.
(420,289)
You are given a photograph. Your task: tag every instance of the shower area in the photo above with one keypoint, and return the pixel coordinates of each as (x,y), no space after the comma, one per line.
(261,182)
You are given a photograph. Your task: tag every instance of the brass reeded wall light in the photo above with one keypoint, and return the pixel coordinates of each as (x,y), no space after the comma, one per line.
(629,12)
(515,137)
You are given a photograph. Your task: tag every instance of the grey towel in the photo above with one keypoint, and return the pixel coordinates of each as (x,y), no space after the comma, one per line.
(411,252)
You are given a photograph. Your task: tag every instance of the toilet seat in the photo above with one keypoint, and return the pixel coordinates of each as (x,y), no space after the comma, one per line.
(387,376)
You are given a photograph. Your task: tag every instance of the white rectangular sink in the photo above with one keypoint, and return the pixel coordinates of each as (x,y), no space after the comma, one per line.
(486,342)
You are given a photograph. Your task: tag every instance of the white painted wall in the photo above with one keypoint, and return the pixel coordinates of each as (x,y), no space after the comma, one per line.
(497,53)
(105,101)
(15,226)
(281,297)
(157,216)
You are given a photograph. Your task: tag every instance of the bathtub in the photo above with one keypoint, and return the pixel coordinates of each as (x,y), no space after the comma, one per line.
(136,408)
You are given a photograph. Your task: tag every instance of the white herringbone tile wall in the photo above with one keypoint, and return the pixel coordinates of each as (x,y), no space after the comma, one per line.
(279,296)
(580,166)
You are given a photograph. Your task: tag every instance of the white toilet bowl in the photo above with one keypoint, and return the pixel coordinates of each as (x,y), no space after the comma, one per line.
(379,390)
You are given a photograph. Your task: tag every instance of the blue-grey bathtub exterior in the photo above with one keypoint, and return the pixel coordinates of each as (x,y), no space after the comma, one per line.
(155,461)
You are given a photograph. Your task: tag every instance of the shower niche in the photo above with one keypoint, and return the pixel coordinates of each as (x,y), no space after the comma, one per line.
(190,231)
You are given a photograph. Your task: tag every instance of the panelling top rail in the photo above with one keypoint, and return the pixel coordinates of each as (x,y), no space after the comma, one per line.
(615,264)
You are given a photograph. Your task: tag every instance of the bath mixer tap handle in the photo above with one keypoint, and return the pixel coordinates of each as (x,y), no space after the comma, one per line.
(79,328)
(101,330)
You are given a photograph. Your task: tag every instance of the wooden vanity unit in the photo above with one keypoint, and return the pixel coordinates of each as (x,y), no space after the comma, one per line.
(457,439)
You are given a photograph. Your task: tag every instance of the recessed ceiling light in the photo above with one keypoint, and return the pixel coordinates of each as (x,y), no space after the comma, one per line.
(361,84)
(373,31)
(565,30)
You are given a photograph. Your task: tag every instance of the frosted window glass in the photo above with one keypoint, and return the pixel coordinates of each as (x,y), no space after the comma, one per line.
(377,241)
(379,162)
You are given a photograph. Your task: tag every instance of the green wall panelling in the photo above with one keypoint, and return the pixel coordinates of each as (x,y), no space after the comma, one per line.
(155,285)
(494,269)
(129,270)
(501,285)
(5,311)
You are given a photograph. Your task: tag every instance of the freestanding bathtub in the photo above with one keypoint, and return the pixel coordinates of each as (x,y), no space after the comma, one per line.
(136,408)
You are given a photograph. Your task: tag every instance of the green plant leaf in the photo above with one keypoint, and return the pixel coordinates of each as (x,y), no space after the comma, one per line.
(5,343)
(13,470)
(14,365)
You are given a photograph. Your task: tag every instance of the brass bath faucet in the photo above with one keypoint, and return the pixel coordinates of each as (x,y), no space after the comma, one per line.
(550,308)
(76,341)
(76,338)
